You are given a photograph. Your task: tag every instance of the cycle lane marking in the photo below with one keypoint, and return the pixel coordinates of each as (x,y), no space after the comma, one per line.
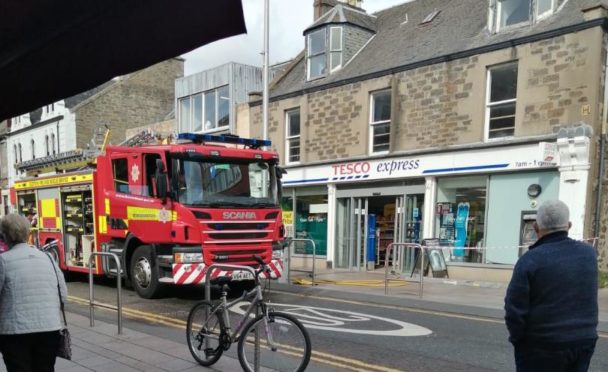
(343,321)
(318,356)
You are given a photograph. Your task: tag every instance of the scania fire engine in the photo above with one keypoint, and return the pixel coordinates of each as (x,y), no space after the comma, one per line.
(168,211)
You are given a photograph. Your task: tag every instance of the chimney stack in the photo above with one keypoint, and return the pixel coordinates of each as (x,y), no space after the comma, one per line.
(321,7)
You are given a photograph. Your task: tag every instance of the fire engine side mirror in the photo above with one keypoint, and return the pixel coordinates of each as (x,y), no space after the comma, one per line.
(161,180)
(280,172)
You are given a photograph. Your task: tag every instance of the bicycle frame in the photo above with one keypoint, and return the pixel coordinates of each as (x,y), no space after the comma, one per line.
(225,306)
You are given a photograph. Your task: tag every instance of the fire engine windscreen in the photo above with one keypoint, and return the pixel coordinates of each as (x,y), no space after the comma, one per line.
(209,183)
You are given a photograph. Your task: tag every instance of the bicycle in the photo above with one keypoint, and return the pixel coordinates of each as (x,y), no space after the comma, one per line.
(284,343)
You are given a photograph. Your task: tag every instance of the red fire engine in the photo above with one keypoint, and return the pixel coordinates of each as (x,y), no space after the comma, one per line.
(167,210)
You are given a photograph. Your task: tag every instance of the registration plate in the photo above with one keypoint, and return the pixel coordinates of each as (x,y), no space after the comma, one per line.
(241,275)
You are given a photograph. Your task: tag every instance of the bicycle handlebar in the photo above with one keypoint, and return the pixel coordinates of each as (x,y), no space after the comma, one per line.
(263,266)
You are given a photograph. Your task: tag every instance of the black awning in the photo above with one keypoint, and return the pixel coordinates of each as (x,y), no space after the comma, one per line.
(52,49)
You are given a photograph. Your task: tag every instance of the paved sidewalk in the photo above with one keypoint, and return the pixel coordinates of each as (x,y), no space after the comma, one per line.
(101,349)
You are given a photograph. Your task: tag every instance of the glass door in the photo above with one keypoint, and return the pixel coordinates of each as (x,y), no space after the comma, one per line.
(351,237)
(408,229)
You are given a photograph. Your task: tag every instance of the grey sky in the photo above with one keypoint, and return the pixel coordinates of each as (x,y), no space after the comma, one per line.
(288,18)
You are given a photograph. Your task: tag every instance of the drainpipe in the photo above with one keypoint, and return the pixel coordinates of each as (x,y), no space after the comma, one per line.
(600,176)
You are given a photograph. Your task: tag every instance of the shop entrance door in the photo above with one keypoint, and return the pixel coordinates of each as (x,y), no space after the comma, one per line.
(352,233)
(367,220)
(408,228)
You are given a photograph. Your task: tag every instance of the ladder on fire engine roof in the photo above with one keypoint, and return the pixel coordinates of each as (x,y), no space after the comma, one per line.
(79,158)
(68,160)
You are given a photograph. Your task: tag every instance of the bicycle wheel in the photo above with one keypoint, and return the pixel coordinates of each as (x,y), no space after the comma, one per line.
(204,332)
(284,344)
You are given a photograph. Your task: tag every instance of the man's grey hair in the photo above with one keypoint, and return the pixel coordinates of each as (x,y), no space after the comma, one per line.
(15,228)
(553,215)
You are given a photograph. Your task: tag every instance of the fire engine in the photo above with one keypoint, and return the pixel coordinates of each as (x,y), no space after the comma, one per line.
(168,211)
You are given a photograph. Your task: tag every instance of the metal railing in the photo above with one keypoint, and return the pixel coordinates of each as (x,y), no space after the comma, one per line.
(118,288)
(398,256)
(314,259)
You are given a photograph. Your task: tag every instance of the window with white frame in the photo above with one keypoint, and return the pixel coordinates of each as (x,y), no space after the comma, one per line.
(544,8)
(501,100)
(53,142)
(335,48)
(380,121)
(205,112)
(512,12)
(292,136)
(317,58)
(518,12)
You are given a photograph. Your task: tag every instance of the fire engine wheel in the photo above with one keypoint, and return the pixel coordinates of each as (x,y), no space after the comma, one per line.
(143,276)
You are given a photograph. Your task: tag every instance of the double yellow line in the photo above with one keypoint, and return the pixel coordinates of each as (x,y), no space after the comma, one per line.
(317,356)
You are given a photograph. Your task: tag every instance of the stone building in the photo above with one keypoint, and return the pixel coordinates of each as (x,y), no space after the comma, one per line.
(58,129)
(443,120)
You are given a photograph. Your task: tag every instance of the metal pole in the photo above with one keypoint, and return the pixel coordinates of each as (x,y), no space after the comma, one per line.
(421,270)
(386,259)
(91,294)
(314,260)
(289,261)
(118,288)
(119,295)
(265,73)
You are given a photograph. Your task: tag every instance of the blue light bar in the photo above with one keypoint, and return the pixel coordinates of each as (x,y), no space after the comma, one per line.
(222,138)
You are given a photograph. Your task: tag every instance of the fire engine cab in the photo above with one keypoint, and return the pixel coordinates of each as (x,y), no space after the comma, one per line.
(167,210)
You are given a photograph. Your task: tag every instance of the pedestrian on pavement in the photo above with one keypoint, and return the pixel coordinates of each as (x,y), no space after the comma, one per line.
(551,307)
(29,302)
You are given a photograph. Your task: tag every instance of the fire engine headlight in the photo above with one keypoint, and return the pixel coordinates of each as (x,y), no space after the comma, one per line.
(188,257)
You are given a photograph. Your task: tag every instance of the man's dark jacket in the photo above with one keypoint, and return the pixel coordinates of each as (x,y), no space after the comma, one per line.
(552,297)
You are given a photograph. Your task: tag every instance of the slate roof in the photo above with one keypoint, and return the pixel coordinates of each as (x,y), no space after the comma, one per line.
(460,26)
(343,13)
(72,101)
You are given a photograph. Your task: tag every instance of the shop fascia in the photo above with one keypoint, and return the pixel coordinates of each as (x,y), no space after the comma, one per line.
(541,155)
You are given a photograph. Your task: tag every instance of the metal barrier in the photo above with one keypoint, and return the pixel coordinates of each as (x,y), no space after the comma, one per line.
(118,287)
(256,361)
(314,259)
(398,258)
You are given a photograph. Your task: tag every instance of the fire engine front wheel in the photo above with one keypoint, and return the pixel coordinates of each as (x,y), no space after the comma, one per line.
(143,276)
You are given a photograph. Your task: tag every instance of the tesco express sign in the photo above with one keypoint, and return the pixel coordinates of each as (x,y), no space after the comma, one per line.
(384,167)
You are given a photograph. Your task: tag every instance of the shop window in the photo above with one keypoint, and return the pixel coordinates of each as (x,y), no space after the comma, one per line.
(461,211)
(380,121)
(121,175)
(317,59)
(501,101)
(311,223)
(292,121)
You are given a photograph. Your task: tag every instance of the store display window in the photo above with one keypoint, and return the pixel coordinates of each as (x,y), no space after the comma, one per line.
(460,217)
(307,221)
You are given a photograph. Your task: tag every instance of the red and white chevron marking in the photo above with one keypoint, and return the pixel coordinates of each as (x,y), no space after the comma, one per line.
(195,273)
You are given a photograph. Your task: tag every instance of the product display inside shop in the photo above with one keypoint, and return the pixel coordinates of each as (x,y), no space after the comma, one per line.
(460,212)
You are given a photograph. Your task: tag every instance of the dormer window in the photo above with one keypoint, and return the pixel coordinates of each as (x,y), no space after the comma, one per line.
(510,13)
(335,48)
(317,58)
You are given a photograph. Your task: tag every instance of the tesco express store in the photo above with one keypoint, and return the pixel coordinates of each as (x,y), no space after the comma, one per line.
(483,199)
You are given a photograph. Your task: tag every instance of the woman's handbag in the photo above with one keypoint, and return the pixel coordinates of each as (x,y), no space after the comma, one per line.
(64,349)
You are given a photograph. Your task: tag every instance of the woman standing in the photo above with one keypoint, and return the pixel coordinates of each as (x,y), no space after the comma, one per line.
(29,302)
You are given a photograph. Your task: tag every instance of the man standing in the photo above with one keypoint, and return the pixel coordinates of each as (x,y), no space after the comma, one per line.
(551,303)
